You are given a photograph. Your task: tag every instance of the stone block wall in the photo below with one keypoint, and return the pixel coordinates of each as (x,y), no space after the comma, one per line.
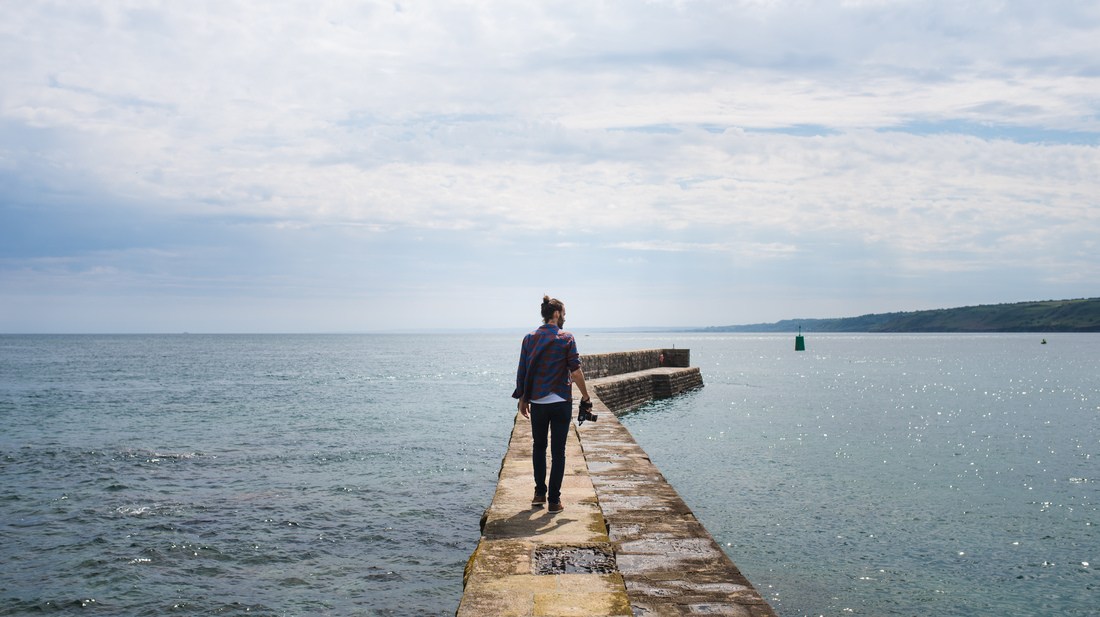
(671,384)
(625,380)
(626,393)
(679,358)
(596,366)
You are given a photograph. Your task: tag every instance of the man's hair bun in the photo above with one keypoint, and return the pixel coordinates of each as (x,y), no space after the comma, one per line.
(549,305)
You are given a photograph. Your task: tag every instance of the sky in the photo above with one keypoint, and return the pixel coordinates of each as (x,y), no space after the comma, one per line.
(359,166)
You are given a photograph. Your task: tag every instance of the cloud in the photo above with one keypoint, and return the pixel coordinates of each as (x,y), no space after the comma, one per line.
(414,150)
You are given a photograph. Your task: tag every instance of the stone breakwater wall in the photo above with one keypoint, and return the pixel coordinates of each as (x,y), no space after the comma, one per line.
(619,363)
(626,545)
(625,380)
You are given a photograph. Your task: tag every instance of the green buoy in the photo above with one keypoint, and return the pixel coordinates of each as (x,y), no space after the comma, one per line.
(799,341)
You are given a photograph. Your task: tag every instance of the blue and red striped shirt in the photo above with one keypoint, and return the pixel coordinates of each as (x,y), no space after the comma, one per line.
(547,358)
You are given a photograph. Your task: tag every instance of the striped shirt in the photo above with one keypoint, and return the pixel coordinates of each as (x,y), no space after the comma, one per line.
(547,358)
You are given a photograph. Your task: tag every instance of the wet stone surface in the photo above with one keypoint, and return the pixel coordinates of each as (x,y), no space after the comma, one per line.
(592,559)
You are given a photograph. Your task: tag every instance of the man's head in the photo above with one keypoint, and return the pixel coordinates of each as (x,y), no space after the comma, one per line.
(553,310)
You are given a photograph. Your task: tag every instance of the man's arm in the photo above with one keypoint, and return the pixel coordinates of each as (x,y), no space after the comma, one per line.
(521,373)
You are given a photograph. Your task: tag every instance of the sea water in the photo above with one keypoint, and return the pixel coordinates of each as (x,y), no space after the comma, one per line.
(246,475)
(895,474)
(346,474)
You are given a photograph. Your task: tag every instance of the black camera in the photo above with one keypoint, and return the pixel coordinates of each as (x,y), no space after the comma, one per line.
(585,412)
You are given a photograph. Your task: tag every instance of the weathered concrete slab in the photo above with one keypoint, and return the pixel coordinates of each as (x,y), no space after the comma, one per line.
(670,563)
(500,576)
(618,503)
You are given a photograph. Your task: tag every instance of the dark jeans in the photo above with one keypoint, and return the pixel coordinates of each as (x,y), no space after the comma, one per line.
(553,418)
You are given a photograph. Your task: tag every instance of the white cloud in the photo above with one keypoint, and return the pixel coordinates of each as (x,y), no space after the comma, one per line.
(933,137)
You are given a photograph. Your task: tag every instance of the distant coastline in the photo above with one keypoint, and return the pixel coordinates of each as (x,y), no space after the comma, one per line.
(1081,315)
(1076,315)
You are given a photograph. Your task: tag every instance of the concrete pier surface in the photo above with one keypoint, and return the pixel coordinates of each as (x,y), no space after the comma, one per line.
(625,545)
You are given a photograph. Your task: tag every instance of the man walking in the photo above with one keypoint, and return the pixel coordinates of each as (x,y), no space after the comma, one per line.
(548,366)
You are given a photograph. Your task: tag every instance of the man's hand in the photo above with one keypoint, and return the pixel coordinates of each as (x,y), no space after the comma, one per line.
(524,408)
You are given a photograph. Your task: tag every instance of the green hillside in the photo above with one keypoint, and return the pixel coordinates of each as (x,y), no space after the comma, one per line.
(1049,316)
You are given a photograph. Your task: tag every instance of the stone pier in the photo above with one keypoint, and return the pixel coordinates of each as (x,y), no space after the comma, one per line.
(626,544)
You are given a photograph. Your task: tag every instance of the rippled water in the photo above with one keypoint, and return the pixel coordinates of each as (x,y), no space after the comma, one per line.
(345,475)
(895,475)
(232,475)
